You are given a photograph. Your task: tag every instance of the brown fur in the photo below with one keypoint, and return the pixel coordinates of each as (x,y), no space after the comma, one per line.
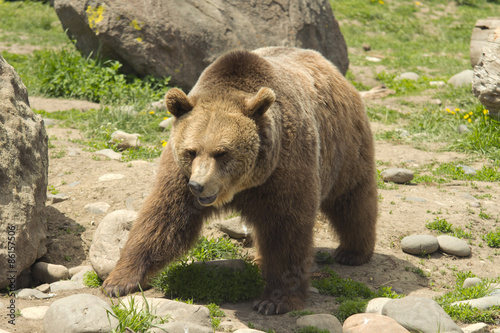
(277,134)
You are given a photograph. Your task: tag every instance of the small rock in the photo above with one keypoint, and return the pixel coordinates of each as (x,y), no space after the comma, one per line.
(111,176)
(403,133)
(74,151)
(75,270)
(48,273)
(437,84)
(313,290)
(462,78)
(31,294)
(65,285)
(475,204)
(376,305)
(372,323)
(397,175)
(180,327)
(321,321)
(418,244)
(476,328)
(471,282)
(408,76)
(415,199)
(366,47)
(48,122)
(437,101)
(110,153)
(74,183)
(467,169)
(453,245)
(373,59)
(97,207)
(125,140)
(108,240)
(482,303)
(56,198)
(234,227)
(463,129)
(166,123)
(44,288)
(420,314)
(34,312)
(177,311)
(469,196)
(79,313)
(78,277)
(159,105)
(398,290)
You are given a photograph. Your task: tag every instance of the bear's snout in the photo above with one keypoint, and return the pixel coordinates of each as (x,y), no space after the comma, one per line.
(196,188)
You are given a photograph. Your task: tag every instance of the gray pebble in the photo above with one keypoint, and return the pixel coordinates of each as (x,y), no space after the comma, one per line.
(475,204)
(65,285)
(321,321)
(48,122)
(408,76)
(47,273)
(111,176)
(34,312)
(31,294)
(180,327)
(482,303)
(416,199)
(476,328)
(463,129)
(437,83)
(397,175)
(44,288)
(74,183)
(234,227)
(467,169)
(166,123)
(56,198)
(469,196)
(471,282)
(453,245)
(97,207)
(109,153)
(418,244)
(376,305)
(462,78)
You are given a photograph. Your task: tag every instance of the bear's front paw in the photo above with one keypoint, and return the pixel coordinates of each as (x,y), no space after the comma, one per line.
(269,307)
(120,286)
(351,258)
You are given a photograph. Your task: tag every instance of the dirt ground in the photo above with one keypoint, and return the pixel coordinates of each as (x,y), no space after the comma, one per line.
(75,172)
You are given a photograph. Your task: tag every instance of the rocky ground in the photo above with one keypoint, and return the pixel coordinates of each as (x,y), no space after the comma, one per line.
(403,210)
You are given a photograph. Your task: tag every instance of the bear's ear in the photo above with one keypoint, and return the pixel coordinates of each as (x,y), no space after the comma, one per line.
(258,105)
(177,102)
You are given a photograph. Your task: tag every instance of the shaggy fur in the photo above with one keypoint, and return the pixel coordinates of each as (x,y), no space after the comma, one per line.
(277,134)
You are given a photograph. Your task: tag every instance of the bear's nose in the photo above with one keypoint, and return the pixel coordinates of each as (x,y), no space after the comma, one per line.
(195,187)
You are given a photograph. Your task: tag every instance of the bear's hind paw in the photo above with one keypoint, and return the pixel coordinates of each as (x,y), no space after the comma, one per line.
(117,289)
(269,308)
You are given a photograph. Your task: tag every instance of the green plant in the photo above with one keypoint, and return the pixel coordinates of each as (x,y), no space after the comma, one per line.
(133,316)
(465,313)
(216,248)
(492,238)
(445,227)
(300,313)
(52,189)
(215,315)
(323,258)
(92,280)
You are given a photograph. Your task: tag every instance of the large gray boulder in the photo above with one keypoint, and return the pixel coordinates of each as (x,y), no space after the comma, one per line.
(23,178)
(180,38)
(486,78)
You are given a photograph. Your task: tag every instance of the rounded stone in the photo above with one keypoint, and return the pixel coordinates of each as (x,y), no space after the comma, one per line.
(397,175)
(34,312)
(79,313)
(408,76)
(463,129)
(97,207)
(321,321)
(111,176)
(377,304)
(454,246)
(462,78)
(419,244)
(166,123)
(48,273)
(180,327)
(471,282)
(370,323)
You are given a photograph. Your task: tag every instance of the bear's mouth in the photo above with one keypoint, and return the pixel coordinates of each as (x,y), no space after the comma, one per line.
(207,201)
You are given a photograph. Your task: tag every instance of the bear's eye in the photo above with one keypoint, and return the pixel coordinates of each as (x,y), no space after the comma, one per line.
(219,154)
(191,153)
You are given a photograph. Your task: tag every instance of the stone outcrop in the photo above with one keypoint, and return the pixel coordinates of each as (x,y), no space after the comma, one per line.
(23,178)
(486,78)
(179,38)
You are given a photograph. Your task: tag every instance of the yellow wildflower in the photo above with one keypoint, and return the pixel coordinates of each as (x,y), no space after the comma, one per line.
(163,143)
(471,113)
(466,116)
(448,110)
(165,118)
(417,3)
(457,109)
(151,112)
(469,120)
(381,2)
(486,111)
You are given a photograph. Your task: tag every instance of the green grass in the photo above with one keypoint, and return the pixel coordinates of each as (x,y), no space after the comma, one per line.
(30,22)
(492,238)
(187,280)
(92,280)
(216,315)
(310,329)
(465,313)
(352,295)
(445,227)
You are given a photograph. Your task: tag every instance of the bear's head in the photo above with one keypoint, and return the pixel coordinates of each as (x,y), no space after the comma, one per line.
(216,142)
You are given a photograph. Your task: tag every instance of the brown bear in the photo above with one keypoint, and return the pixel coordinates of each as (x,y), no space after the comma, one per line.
(277,134)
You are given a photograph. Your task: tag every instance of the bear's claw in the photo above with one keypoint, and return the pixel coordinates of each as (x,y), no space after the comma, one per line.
(351,258)
(268,307)
(119,288)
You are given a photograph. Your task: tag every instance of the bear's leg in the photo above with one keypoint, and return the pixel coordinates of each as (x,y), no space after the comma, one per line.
(167,226)
(353,215)
(284,242)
